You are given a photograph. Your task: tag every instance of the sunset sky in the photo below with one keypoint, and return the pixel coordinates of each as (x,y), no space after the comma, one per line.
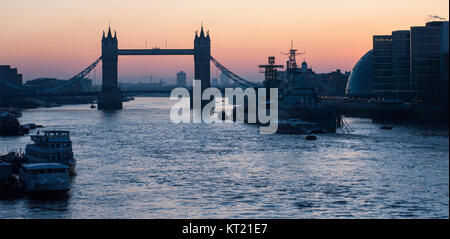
(54,38)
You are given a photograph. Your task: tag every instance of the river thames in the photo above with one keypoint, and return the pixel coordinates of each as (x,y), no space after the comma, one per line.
(136,163)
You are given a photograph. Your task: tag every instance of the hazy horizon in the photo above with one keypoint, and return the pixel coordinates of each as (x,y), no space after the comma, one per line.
(58,38)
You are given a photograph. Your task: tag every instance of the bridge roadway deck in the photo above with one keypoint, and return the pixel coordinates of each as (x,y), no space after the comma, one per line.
(155,51)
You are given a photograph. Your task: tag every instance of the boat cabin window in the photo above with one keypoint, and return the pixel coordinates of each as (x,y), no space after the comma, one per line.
(43,171)
(57,134)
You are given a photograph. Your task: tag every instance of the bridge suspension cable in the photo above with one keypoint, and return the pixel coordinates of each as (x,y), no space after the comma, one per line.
(239,80)
(75,78)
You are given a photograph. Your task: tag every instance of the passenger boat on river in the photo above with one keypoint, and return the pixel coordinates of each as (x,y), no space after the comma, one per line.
(54,146)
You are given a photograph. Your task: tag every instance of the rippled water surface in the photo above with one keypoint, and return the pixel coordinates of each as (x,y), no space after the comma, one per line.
(135,163)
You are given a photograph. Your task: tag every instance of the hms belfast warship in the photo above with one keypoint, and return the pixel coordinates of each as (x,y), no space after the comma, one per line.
(297,101)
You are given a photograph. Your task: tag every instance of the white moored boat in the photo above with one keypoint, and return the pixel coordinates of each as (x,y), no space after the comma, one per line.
(45,177)
(54,146)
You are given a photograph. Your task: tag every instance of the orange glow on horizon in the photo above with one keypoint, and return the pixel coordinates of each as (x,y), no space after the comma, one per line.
(59,38)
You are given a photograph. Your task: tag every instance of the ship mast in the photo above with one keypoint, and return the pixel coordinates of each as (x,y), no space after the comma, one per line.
(292,62)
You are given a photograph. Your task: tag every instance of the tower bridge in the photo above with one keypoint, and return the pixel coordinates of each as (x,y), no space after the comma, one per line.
(110,96)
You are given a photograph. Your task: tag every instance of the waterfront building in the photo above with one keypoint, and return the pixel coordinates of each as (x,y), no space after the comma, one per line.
(82,85)
(382,66)
(10,82)
(429,46)
(401,87)
(409,65)
(360,82)
(181,79)
(305,68)
(335,81)
(391,65)
(10,75)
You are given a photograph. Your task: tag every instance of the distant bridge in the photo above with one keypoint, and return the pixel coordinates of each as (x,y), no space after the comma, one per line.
(110,95)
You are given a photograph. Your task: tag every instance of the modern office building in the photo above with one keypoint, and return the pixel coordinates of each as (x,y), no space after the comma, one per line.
(410,65)
(181,79)
(360,82)
(382,66)
(10,81)
(391,65)
(429,45)
(10,75)
(401,87)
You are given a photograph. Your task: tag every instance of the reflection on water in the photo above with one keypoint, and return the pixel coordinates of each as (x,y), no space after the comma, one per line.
(135,163)
(56,203)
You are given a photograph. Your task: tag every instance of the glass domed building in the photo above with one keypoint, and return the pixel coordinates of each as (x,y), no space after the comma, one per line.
(360,82)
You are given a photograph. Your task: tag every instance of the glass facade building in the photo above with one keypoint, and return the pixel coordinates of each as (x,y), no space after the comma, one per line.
(382,66)
(360,82)
(428,45)
(409,65)
(401,83)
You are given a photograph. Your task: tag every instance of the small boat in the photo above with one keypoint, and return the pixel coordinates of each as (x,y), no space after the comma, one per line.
(45,177)
(26,128)
(54,146)
(311,137)
(386,127)
(93,107)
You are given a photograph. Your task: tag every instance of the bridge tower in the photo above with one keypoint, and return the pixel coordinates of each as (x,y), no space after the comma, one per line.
(202,55)
(110,97)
